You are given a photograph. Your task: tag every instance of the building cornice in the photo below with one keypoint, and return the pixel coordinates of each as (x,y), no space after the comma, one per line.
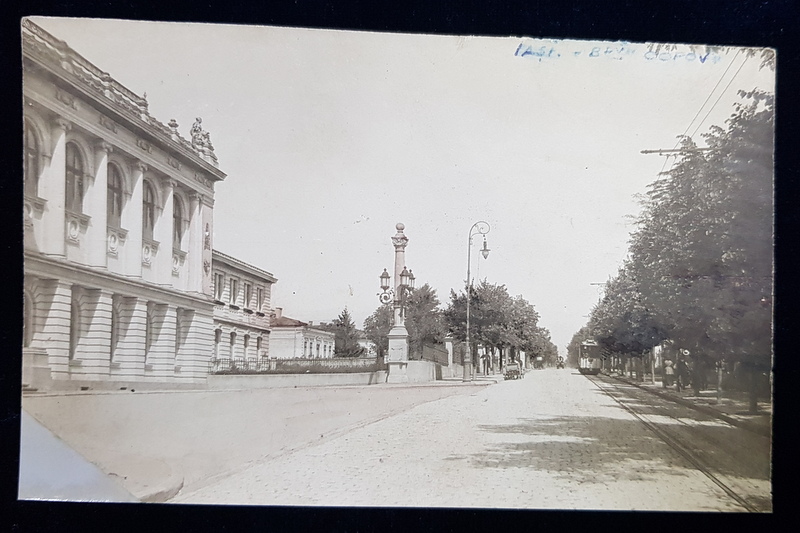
(217,256)
(37,264)
(63,63)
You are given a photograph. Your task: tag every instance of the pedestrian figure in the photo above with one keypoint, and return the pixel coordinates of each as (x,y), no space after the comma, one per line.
(669,373)
(682,372)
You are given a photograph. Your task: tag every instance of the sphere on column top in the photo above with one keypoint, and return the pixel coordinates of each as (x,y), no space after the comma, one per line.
(400,226)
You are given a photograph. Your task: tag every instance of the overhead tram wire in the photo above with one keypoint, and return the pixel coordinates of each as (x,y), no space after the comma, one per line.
(720,95)
(704,104)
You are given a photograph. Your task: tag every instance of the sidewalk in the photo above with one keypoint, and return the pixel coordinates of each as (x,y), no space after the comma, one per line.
(733,407)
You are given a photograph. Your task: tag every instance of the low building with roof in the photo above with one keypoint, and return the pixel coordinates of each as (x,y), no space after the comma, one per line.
(295,339)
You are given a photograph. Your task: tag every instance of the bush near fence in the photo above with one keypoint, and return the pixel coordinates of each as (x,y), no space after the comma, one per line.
(298,366)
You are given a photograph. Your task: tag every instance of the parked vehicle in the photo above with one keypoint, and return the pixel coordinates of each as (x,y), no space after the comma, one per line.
(512,371)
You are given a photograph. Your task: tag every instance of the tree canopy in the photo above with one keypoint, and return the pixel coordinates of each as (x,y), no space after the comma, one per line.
(498,321)
(699,270)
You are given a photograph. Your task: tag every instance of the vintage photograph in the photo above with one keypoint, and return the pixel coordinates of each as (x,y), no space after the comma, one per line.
(281,266)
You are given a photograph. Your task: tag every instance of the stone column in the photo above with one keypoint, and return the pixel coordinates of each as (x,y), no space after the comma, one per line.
(132,221)
(95,205)
(163,234)
(53,188)
(130,352)
(162,350)
(196,346)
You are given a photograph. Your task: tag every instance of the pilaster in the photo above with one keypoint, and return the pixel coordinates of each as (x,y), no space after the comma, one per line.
(195,345)
(161,358)
(195,244)
(96,200)
(163,234)
(131,333)
(52,187)
(132,220)
(52,323)
(94,348)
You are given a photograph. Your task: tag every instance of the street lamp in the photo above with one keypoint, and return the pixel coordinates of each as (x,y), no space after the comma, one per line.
(397,358)
(479,228)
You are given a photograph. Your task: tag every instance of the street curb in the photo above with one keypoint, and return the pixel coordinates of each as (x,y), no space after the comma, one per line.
(744,424)
(162,495)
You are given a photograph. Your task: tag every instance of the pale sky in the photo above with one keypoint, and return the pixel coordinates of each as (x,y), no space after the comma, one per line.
(329,138)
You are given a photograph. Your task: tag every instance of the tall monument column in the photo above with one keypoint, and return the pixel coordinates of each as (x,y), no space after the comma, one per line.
(397,358)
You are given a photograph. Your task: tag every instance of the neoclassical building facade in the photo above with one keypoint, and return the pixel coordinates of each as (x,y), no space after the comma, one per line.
(118,212)
(242,298)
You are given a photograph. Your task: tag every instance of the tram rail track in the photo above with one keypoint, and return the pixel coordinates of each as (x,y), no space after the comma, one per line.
(676,444)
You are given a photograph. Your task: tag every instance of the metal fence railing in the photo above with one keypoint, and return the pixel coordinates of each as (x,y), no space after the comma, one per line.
(263,365)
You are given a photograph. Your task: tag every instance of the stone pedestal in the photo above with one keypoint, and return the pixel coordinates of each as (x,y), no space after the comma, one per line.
(397,358)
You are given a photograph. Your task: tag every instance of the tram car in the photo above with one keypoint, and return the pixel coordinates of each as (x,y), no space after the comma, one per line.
(589,358)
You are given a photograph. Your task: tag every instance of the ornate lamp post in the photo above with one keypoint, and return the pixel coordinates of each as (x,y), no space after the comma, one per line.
(397,358)
(479,228)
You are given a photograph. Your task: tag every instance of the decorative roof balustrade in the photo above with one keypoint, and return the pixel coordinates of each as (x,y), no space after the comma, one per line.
(41,45)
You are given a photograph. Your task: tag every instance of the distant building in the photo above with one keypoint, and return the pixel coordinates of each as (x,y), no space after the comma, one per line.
(290,338)
(242,297)
(370,350)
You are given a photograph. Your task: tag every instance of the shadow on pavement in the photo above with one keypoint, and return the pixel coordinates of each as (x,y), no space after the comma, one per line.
(598,449)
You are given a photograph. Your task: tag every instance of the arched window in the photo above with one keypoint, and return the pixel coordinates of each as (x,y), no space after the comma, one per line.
(114,204)
(177,222)
(217,339)
(74,173)
(246,346)
(149,211)
(233,344)
(31,149)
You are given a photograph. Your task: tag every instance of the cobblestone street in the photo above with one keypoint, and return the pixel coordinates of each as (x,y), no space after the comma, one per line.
(550,441)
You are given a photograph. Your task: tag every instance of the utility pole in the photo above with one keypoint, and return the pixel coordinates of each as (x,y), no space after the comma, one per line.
(667,152)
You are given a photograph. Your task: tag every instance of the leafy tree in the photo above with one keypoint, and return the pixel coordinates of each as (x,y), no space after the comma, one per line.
(498,321)
(424,319)
(377,326)
(621,323)
(346,336)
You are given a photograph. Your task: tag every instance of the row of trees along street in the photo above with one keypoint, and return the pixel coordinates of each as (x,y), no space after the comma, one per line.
(504,325)
(698,275)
